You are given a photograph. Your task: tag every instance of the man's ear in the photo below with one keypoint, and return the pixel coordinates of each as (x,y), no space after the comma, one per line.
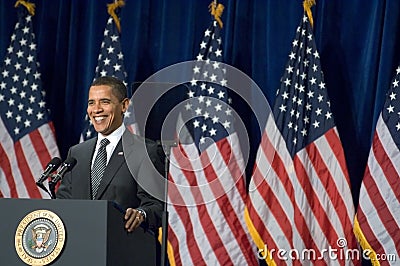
(125,104)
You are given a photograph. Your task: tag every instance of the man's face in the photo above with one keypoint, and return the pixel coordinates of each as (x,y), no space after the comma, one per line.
(105,110)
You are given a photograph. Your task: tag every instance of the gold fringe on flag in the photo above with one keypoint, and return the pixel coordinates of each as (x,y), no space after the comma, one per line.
(216,11)
(28,5)
(111,10)
(307,4)
(364,243)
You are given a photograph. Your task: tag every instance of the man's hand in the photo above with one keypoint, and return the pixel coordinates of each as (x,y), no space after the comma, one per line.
(133,219)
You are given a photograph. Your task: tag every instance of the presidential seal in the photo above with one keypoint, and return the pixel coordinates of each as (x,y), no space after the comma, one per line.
(39,237)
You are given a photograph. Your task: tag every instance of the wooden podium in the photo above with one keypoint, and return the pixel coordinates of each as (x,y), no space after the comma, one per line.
(93,233)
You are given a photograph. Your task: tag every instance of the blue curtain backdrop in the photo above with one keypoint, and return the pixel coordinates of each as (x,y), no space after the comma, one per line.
(357,41)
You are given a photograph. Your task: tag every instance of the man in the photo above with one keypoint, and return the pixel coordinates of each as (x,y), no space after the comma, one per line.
(118,182)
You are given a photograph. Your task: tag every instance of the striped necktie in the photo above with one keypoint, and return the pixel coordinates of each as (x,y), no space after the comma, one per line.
(99,166)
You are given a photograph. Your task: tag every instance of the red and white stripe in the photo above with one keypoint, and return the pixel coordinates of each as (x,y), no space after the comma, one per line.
(22,163)
(304,203)
(207,197)
(378,213)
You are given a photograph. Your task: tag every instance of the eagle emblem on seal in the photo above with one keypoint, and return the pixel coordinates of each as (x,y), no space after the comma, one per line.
(40,237)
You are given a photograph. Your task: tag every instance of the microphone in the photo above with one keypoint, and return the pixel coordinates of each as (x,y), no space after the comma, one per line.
(67,165)
(51,166)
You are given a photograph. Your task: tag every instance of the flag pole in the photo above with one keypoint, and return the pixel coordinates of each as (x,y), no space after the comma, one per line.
(167,145)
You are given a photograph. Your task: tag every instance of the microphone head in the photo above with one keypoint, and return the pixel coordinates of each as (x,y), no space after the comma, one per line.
(70,162)
(55,162)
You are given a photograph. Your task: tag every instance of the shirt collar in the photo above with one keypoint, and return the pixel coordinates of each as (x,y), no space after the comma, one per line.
(114,137)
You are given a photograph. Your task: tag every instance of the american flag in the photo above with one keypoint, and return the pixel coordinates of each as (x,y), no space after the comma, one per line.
(299,194)
(207,194)
(111,63)
(27,138)
(377,224)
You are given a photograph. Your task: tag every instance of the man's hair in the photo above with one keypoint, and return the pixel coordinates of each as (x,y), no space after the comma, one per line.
(117,86)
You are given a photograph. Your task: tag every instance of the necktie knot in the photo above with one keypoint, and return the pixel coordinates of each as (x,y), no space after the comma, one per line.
(104,142)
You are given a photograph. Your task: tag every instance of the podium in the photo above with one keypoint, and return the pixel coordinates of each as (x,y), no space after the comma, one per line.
(94,233)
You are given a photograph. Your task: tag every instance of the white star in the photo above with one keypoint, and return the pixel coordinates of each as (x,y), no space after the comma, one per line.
(203,45)
(313,80)
(20,54)
(221,94)
(390,109)
(27,123)
(215,65)
(15,78)
(110,49)
(190,94)
(395,83)
(196,69)
(213,78)
(213,132)
(7,61)
(196,123)
(22,42)
(287,82)
(5,73)
(106,61)
(117,67)
(207,32)
(218,53)
(318,111)
(282,108)
(226,124)
(224,82)
(215,119)
(34,87)
(9,114)
(218,107)
(328,115)
(114,38)
(393,96)
(18,118)
(322,85)
(29,111)
(39,116)
(316,124)
(285,95)
(188,106)
(193,82)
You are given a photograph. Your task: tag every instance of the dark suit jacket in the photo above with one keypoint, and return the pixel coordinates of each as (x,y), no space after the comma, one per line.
(119,181)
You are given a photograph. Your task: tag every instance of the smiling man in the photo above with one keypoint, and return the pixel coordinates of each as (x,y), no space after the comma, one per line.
(101,172)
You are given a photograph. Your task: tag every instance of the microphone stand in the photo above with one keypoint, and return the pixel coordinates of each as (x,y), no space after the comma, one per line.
(52,187)
(39,184)
(167,145)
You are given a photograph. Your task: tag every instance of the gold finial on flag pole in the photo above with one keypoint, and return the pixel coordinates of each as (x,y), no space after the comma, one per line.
(111,10)
(216,10)
(307,4)
(28,5)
